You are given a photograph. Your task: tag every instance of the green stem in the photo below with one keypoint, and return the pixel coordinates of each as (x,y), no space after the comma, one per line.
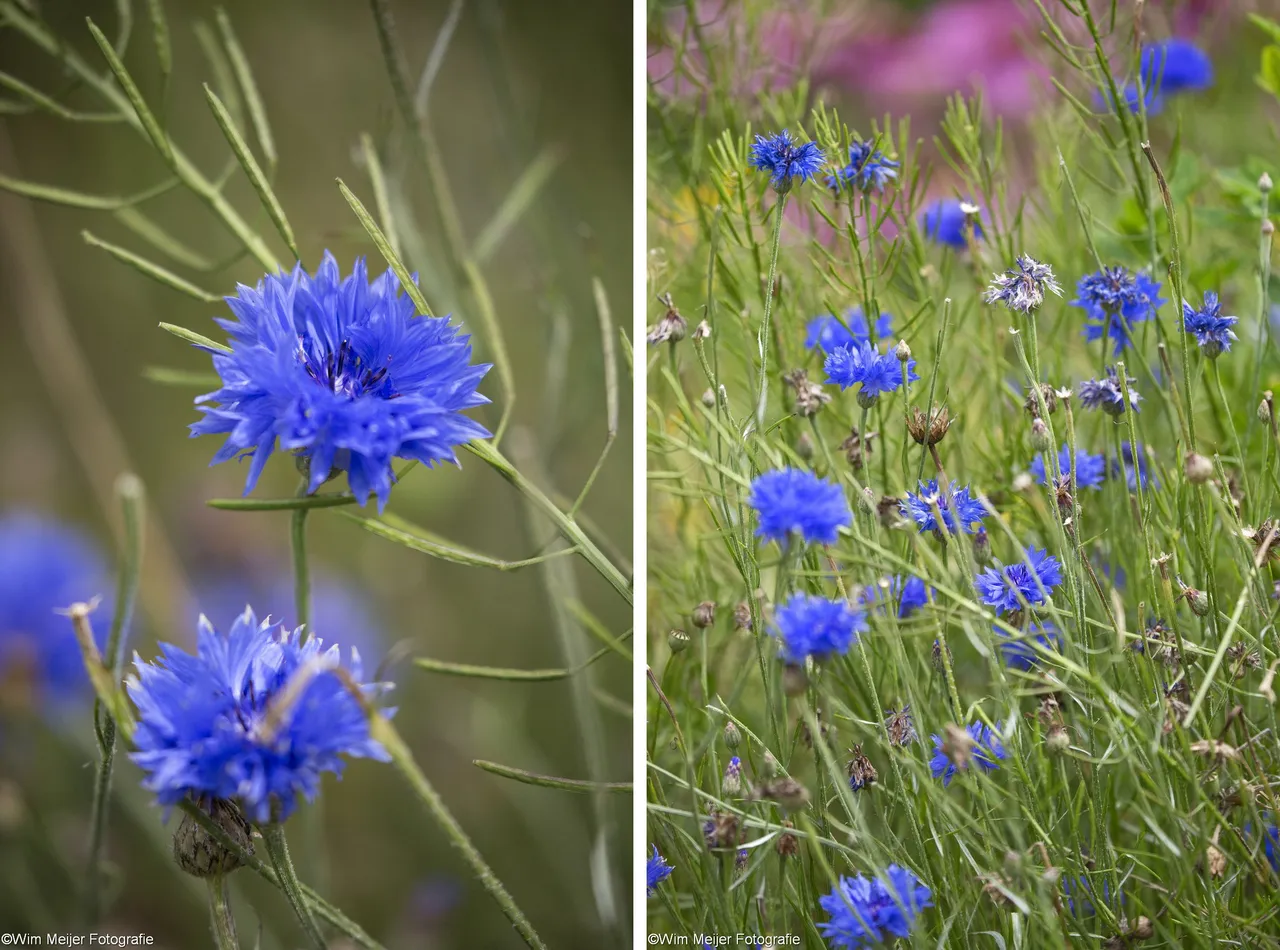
(220,916)
(763,401)
(278,850)
(301,570)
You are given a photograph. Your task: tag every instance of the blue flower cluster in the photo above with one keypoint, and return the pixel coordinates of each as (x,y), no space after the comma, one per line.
(826,333)
(656,871)
(921,505)
(868,911)
(229,723)
(1020,654)
(1015,586)
(944,221)
(792,501)
(876,372)
(818,627)
(1090,470)
(987,752)
(45,567)
(868,169)
(1106,394)
(785,159)
(1211,329)
(344,374)
(1114,299)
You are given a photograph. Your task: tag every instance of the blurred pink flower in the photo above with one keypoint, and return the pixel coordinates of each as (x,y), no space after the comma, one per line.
(957,45)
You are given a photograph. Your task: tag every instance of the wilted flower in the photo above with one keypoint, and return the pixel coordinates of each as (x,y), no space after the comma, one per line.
(784,159)
(1105,393)
(1015,586)
(671,328)
(792,501)
(860,770)
(817,627)
(1022,287)
(900,727)
(928,429)
(241,720)
(810,396)
(857,446)
(872,910)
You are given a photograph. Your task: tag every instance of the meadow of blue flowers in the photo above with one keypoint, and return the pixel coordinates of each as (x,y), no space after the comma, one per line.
(962,462)
(339,544)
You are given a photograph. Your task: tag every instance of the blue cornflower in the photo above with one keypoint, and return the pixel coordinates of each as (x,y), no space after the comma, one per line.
(1168,67)
(1022,287)
(1270,840)
(826,333)
(876,372)
(868,910)
(45,567)
(908,597)
(1012,587)
(784,159)
(869,169)
(1105,393)
(817,627)
(340,611)
(793,501)
(920,507)
(1081,889)
(1114,299)
(987,751)
(1211,329)
(344,375)
(212,726)
(1018,651)
(1090,469)
(945,221)
(1143,469)
(656,871)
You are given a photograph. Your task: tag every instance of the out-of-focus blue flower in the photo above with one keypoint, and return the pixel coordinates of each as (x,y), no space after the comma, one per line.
(920,507)
(1080,896)
(212,725)
(987,751)
(342,373)
(1012,587)
(906,597)
(826,333)
(785,159)
(1106,394)
(340,613)
(1018,651)
(1022,287)
(1114,299)
(1143,469)
(877,372)
(45,567)
(817,627)
(868,169)
(1211,329)
(1168,67)
(944,221)
(792,501)
(867,911)
(656,871)
(1270,840)
(1090,469)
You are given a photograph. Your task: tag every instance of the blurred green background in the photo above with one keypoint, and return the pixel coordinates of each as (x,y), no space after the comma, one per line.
(518,79)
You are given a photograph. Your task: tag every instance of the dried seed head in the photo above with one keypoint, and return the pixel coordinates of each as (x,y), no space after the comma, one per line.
(789,794)
(1050,396)
(788,844)
(824,730)
(1219,752)
(1050,712)
(671,328)
(732,736)
(742,616)
(704,615)
(702,331)
(860,770)
(900,727)
(889,511)
(957,745)
(809,396)
(1198,468)
(1215,861)
(678,641)
(928,429)
(720,830)
(1056,740)
(1243,659)
(857,447)
(201,855)
(1266,540)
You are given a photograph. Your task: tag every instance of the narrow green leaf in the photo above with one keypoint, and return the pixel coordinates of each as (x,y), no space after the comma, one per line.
(244,78)
(1269,70)
(334,500)
(551,781)
(168,376)
(160,35)
(518,200)
(472,671)
(373,165)
(401,532)
(252,170)
(597,629)
(224,81)
(146,117)
(195,339)
(151,269)
(151,232)
(386,250)
(77,199)
(1267,25)
(41,101)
